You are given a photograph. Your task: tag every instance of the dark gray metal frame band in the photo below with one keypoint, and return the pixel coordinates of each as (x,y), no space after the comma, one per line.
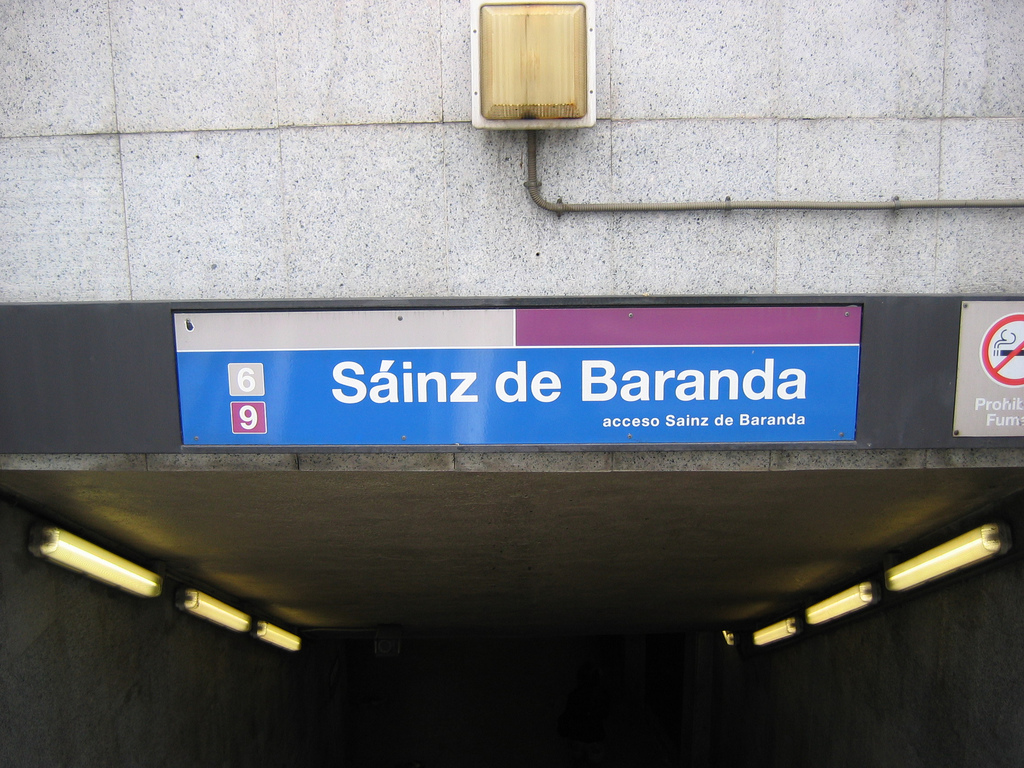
(102,378)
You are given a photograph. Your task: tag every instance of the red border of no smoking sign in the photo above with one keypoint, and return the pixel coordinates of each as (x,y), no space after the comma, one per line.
(990,365)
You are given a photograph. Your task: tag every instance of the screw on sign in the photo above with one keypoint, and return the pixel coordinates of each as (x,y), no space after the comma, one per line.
(1001,351)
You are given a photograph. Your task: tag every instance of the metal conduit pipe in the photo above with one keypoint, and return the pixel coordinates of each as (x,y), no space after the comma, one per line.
(533,186)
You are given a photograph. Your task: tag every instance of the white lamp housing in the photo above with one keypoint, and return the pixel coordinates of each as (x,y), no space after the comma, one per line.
(533,64)
(274,635)
(982,543)
(77,554)
(855,598)
(773,633)
(205,607)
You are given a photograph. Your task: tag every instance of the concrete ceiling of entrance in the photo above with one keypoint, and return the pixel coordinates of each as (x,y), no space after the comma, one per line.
(509,552)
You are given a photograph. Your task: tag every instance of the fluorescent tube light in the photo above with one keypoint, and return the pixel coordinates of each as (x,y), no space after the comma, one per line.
(780,630)
(205,607)
(77,554)
(970,548)
(853,599)
(268,633)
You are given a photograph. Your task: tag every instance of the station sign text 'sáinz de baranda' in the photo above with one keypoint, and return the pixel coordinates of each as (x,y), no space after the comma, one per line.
(527,376)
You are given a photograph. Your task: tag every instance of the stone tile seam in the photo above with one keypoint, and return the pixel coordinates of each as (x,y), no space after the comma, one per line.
(778,119)
(124,220)
(944,94)
(238,129)
(274,12)
(113,71)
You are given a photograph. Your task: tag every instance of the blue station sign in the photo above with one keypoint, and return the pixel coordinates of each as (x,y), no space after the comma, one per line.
(529,376)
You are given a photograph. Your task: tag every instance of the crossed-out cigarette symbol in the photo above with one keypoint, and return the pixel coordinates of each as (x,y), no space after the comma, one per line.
(1002,346)
(1006,347)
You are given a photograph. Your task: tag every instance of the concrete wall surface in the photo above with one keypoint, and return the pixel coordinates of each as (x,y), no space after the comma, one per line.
(935,681)
(317,149)
(91,676)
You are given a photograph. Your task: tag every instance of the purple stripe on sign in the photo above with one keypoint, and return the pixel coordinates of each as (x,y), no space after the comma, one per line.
(681,326)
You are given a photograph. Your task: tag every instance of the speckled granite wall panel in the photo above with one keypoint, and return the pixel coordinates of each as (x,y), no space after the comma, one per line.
(694,252)
(55,68)
(983,158)
(856,252)
(861,58)
(356,62)
(456,76)
(194,66)
(985,59)
(658,161)
(858,159)
(675,60)
(344,183)
(62,220)
(500,243)
(204,215)
(365,211)
(980,252)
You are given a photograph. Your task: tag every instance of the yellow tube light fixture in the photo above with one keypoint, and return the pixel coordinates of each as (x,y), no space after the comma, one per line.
(533,64)
(269,633)
(76,554)
(855,598)
(773,633)
(205,607)
(973,547)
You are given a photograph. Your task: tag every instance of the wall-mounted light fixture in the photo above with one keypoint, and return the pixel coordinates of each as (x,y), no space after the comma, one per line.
(274,635)
(533,64)
(849,600)
(982,543)
(77,554)
(205,607)
(773,633)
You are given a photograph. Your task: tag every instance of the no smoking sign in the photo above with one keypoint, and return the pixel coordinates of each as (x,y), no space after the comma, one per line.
(990,370)
(1001,351)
